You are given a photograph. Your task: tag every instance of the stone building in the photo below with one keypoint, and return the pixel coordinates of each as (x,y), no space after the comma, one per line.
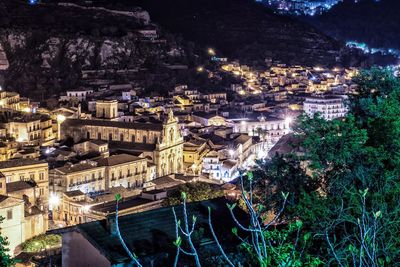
(158,140)
(28,128)
(21,218)
(107,109)
(29,170)
(9,100)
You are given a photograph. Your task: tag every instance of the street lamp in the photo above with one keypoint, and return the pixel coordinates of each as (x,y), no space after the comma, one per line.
(288,121)
(211,52)
(54,200)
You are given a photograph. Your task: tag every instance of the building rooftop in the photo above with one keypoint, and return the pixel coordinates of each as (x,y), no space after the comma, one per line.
(128,203)
(118,159)
(117,124)
(72,168)
(20,185)
(14,163)
(74,193)
(6,201)
(151,232)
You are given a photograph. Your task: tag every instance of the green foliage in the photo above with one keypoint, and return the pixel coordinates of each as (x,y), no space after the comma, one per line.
(287,247)
(118,197)
(328,184)
(285,173)
(5,258)
(193,192)
(41,242)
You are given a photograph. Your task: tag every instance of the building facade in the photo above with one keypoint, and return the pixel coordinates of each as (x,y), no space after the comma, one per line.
(159,141)
(328,107)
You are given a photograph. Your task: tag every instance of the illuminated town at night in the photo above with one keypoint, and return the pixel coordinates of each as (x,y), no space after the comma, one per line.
(199,133)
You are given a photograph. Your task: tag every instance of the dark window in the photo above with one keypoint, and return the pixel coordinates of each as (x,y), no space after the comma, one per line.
(99,136)
(144,139)
(9,215)
(88,135)
(110,136)
(121,137)
(133,138)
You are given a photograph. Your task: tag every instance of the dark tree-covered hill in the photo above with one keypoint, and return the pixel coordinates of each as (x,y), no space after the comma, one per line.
(244,30)
(376,23)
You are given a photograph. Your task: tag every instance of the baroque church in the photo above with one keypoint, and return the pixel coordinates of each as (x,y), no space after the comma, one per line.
(158,138)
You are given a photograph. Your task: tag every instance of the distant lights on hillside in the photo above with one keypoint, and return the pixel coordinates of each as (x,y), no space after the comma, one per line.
(33,2)
(303,7)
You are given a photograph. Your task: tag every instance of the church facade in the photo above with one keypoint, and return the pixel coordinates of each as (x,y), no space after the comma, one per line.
(158,140)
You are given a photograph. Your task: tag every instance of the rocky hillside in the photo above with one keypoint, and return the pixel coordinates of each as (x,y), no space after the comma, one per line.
(48,46)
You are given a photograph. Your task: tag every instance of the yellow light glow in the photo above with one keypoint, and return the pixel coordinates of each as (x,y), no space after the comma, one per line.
(27,109)
(200,69)
(61,118)
(211,52)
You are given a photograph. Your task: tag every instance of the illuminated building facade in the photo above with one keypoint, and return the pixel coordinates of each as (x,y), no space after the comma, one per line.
(328,107)
(159,140)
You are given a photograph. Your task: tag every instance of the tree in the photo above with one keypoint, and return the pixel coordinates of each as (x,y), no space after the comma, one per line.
(348,156)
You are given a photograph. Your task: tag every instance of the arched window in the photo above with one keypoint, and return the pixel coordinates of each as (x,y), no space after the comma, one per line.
(88,135)
(121,137)
(171,135)
(144,139)
(133,138)
(110,136)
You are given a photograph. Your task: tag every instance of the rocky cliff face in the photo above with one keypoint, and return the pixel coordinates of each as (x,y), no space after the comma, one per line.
(49,45)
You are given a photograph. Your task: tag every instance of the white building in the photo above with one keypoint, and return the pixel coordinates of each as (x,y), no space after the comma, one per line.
(329,107)
(272,128)
(13,225)
(78,94)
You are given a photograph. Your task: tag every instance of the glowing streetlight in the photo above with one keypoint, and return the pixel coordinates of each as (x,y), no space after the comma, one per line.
(60,119)
(54,200)
(194,167)
(200,69)
(27,110)
(86,208)
(288,121)
(211,52)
